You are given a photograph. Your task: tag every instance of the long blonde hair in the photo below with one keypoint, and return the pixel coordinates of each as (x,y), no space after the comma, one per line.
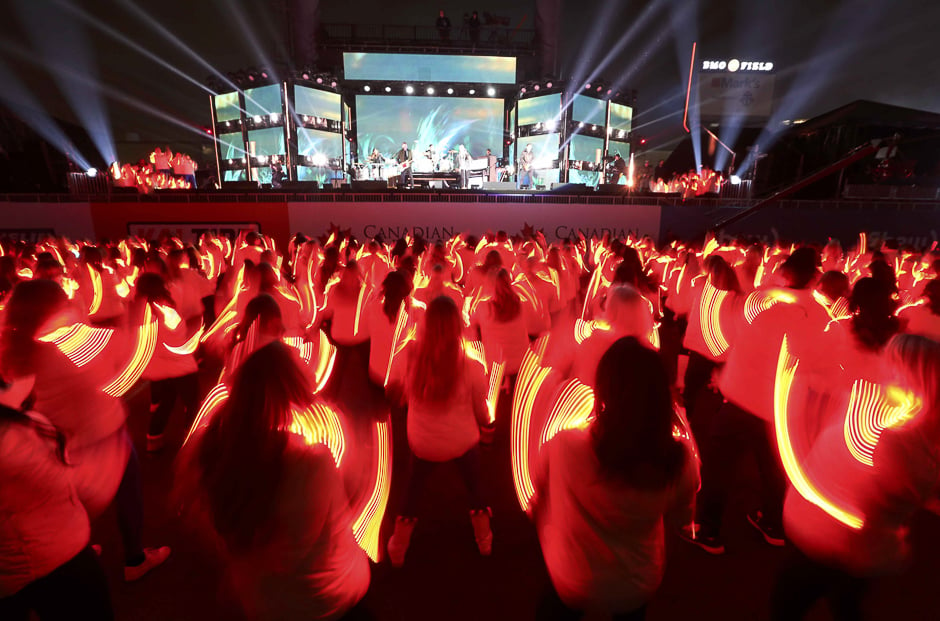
(437,363)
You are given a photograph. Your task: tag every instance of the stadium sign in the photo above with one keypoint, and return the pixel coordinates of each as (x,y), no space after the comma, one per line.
(734,65)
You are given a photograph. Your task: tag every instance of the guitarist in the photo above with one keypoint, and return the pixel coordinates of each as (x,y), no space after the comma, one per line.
(404,157)
(526,167)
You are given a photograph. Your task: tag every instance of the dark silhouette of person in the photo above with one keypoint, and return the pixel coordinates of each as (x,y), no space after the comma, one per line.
(474,27)
(443,26)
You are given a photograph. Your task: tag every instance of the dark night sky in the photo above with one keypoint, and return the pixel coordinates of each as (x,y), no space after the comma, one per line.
(827,52)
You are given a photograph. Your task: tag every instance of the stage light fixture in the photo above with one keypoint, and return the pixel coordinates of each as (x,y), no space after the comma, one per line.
(581,124)
(367,88)
(409,89)
(599,88)
(92,172)
(593,128)
(243,160)
(262,159)
(319,159)
(450,91)
(333,84)
(264,74)
(275,117)
(620,134)
(305,75)
(319,80)
(472,91)
(735,180)
(251,77)
(522,90)
(491,91)
(587,86)
(536,87)
(388,89)
(430,90)
(549,85)
(231,162)
(228,123)
(257,119)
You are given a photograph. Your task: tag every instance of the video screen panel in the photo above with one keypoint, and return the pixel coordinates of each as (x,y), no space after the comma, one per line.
(539,109)
(589,178)
(429,68)
(621,117)
(314,141)
(586,148)
(546,148)
(384,122)
(312,102)
(263,100)
(234,175)
(226,107)
(615,146)
(589,110)
(268,141)
(231,146)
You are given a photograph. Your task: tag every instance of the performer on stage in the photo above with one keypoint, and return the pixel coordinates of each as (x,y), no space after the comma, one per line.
(526,167)
(618,168)
(375,160)
(431,154)
(403,157)
(463,165)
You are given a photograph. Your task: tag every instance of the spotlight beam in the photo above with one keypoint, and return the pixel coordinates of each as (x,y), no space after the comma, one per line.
(108,30)
(17,98)
(172,38)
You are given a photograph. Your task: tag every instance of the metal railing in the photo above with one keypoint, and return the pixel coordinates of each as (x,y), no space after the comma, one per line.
(486,37)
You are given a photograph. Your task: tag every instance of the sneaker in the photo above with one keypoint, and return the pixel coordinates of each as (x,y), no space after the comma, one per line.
(772,534)
(153,557)
(481,530)
(155,443)
(697,537)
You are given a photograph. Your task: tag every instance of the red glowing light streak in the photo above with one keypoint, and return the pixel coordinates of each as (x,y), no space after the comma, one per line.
(573,409)
(872,409)
(688,91)
(528,383)
(97,290)
(80,343)
(492,394)
(171,319)
(584,329)
(398,342)
(759,301)
(366,527)
(320,424)
(474,351)
(188,347)
(710,319)
(787,365)
(210,405)
(146,343)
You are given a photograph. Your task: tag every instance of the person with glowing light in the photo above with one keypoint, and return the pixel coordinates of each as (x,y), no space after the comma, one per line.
(93,422)
(830,559)
(501,323)
(46,562)
(275,505)
(744,422)
(446,395)
(924,319)
(173,376)
(605,494)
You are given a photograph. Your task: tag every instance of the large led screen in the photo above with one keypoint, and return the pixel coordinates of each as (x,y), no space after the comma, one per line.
(315,142)
(429,68)
(263,100)
(231,146)
(384,122)
(539,109)
(586,148)
(226,107)
(268,141)
(311,102)
(621,116)
(546,148)
(589,110)
(615,146)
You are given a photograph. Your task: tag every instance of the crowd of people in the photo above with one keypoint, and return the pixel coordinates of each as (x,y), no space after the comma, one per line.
(640,371)
(162,170)
(688,184)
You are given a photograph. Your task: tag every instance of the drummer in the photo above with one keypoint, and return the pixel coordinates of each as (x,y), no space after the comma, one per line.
(376,160)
